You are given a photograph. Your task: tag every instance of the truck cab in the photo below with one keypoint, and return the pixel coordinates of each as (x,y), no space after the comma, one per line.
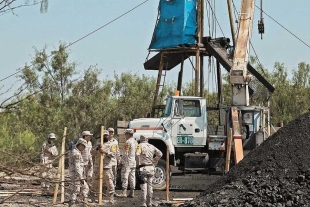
(193,144)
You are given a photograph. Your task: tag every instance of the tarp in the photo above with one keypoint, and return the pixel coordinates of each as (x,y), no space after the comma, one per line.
(176,24)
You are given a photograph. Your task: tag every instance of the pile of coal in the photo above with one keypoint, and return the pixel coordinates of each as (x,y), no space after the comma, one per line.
(275,174)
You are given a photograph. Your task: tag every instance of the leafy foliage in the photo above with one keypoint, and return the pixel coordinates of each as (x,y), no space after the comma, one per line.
(59,95)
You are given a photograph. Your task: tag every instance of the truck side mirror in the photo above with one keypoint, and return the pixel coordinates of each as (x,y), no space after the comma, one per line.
(178,109)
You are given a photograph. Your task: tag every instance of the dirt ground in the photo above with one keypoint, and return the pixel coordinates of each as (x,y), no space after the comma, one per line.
(119,202)
(182,186)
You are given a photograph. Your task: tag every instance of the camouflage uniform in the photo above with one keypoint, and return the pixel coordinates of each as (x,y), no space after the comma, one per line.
(49,152)
(107,168)
(116,158)
(128,162)
(88,160)
(147,162)
(76,172)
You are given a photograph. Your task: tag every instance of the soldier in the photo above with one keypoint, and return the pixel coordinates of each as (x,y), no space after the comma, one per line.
(115,159)
(109,152)
(49,152)
(76,171)
(128,162)
(147,163)
(87,157)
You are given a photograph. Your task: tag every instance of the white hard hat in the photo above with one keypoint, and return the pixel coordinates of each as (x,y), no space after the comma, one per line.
(52,136)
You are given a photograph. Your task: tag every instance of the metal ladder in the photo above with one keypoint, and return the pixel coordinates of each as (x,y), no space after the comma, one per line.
(160,82)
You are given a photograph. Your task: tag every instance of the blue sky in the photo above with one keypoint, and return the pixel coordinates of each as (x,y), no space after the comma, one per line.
(122,46)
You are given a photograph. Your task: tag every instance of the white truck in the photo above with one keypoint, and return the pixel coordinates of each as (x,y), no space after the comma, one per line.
(193,144)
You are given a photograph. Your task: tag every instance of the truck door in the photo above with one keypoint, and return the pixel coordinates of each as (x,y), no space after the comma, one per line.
(189,123)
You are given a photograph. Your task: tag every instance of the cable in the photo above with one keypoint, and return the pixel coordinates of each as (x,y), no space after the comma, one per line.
(236,12)
(21,69)
(216,18)
(257,58)
(284,27)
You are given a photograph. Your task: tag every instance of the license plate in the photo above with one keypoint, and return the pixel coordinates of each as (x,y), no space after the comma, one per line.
(187,140)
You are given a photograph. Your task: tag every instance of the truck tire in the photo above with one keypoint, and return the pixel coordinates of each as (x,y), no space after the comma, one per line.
(159,180)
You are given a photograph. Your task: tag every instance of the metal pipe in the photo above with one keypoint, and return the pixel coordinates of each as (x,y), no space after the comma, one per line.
(268,117)
(201,55)
(198,45)
(231,19)
(167,173)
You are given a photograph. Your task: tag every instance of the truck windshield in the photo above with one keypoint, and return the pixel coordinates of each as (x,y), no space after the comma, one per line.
(168,107)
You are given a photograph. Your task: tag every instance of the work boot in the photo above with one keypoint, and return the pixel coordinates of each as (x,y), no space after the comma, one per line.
(71,203)
(143,205)
(111,198)
(85,202)
(123,194)
(132,193)
(150,203)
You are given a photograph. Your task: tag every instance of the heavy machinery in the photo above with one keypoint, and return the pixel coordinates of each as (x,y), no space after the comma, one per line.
(182,128)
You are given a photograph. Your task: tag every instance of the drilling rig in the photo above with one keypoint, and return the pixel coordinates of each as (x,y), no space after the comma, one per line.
(182,127)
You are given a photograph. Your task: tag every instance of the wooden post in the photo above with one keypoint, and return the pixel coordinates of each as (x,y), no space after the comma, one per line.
(228,152)
(62,200)
(167,174)
(101,168)
(57,184)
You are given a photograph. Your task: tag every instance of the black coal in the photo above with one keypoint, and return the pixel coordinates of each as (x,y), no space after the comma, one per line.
(276,174)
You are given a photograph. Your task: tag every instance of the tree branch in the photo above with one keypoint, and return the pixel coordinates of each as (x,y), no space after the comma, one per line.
(4,11)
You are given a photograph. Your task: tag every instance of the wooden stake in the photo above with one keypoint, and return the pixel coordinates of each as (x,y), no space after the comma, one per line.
(228,152)
(59,171)
(57,184)
(62,200)
(167,174)
(101,168)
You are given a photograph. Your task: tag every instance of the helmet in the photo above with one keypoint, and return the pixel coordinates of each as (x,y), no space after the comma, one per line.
(111,129)
(105,132)
(86,133)
(129,131)
(82,141)
(51,136)
(144,138)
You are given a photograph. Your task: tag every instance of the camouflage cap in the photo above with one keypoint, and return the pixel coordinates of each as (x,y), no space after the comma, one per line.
(144,138)
(86,133)
(82,141)
(129,131)
(111,129)
(52,136)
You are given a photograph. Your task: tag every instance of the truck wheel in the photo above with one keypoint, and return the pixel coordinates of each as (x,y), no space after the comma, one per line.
(159,180)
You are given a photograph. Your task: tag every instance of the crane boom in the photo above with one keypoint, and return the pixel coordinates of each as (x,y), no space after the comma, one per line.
(238,74)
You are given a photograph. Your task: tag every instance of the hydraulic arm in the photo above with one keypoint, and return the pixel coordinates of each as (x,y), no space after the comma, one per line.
(239,78)
(238,74)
